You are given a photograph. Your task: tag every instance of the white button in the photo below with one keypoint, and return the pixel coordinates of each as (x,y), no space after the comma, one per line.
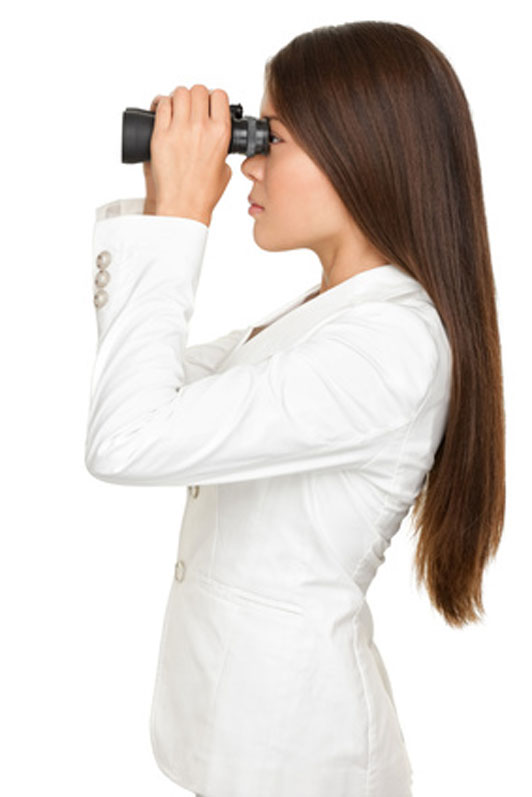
(180,570)
(100,298)
(193,490)
(103,259)
(102,278)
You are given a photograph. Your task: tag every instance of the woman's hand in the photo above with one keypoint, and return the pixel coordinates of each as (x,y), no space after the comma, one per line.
(149,201)
(189,144)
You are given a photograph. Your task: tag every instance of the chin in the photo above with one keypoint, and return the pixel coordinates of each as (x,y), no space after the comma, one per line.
(270,243)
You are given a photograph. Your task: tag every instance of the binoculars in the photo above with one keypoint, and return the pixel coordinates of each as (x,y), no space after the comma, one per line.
(249,135)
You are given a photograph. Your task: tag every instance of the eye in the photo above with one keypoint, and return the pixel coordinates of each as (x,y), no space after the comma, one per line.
(272,137)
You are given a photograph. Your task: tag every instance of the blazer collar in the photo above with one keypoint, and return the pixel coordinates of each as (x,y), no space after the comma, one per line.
(295,320)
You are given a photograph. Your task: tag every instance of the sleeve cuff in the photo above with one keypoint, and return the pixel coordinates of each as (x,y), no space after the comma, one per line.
(133,206)
(120,207)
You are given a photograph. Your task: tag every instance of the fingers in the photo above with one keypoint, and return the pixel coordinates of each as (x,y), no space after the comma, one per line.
(199,103)
(180,104)
(194,105)
(163,112)
(220,110)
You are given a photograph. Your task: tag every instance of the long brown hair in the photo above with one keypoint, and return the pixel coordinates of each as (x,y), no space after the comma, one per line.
(381,111)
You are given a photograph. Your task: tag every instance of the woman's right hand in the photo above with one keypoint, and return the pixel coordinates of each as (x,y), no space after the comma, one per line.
(149,202)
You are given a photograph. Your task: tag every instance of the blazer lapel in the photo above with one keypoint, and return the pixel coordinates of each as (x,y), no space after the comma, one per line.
(297,319)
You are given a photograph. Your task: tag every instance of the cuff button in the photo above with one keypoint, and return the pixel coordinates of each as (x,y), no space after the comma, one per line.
(102,278)
(179,570)
(100,298)
(103,259)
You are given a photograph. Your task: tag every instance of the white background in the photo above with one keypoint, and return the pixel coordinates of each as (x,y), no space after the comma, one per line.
(86,565)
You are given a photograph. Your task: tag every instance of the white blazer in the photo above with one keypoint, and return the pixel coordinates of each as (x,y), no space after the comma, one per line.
(303,449)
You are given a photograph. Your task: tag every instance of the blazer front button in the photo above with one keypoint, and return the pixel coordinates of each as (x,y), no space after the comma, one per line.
(193,489)
(103,259)
(180,570)
(100,298)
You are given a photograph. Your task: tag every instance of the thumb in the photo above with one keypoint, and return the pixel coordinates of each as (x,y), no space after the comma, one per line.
(228,173)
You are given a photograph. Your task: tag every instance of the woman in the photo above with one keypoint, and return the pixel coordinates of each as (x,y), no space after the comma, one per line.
(306,440)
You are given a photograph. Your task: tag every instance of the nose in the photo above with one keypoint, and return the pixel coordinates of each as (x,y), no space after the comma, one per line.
(253,167)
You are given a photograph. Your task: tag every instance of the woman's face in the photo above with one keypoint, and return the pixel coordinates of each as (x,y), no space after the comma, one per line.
(301,207)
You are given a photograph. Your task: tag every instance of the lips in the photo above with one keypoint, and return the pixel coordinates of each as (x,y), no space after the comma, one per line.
(252,202)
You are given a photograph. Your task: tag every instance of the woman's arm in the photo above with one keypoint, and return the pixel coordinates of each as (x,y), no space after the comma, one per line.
(329,401)
(201,359)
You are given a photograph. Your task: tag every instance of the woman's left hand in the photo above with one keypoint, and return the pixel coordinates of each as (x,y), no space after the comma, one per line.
(189,145)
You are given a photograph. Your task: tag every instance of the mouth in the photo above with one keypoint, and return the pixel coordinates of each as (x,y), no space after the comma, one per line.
(255,204)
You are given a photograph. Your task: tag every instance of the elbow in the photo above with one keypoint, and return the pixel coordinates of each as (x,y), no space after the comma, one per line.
(98,466)
(135,456)
(103,464)
(115,455)
(130,464)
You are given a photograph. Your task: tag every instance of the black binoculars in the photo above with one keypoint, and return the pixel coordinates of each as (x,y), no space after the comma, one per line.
(249,135)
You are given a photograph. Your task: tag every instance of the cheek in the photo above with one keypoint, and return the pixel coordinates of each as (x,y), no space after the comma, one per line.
(298,190)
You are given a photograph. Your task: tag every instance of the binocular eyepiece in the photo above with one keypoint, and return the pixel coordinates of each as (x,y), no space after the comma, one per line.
(249,135)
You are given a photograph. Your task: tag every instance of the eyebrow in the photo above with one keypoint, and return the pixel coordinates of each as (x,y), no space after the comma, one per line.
(273,117)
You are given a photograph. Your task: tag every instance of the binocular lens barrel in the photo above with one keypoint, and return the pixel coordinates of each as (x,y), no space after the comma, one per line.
(249,135)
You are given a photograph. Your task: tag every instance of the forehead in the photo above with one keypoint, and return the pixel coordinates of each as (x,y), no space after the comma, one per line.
(266,107)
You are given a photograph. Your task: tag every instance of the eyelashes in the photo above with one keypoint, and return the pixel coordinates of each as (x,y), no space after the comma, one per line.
(272,137)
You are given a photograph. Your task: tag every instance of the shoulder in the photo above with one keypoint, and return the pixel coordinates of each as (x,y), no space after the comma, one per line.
(390,348)
(388,328)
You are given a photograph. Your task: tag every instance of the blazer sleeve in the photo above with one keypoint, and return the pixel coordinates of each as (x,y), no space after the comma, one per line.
(202,358)
(329,401)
